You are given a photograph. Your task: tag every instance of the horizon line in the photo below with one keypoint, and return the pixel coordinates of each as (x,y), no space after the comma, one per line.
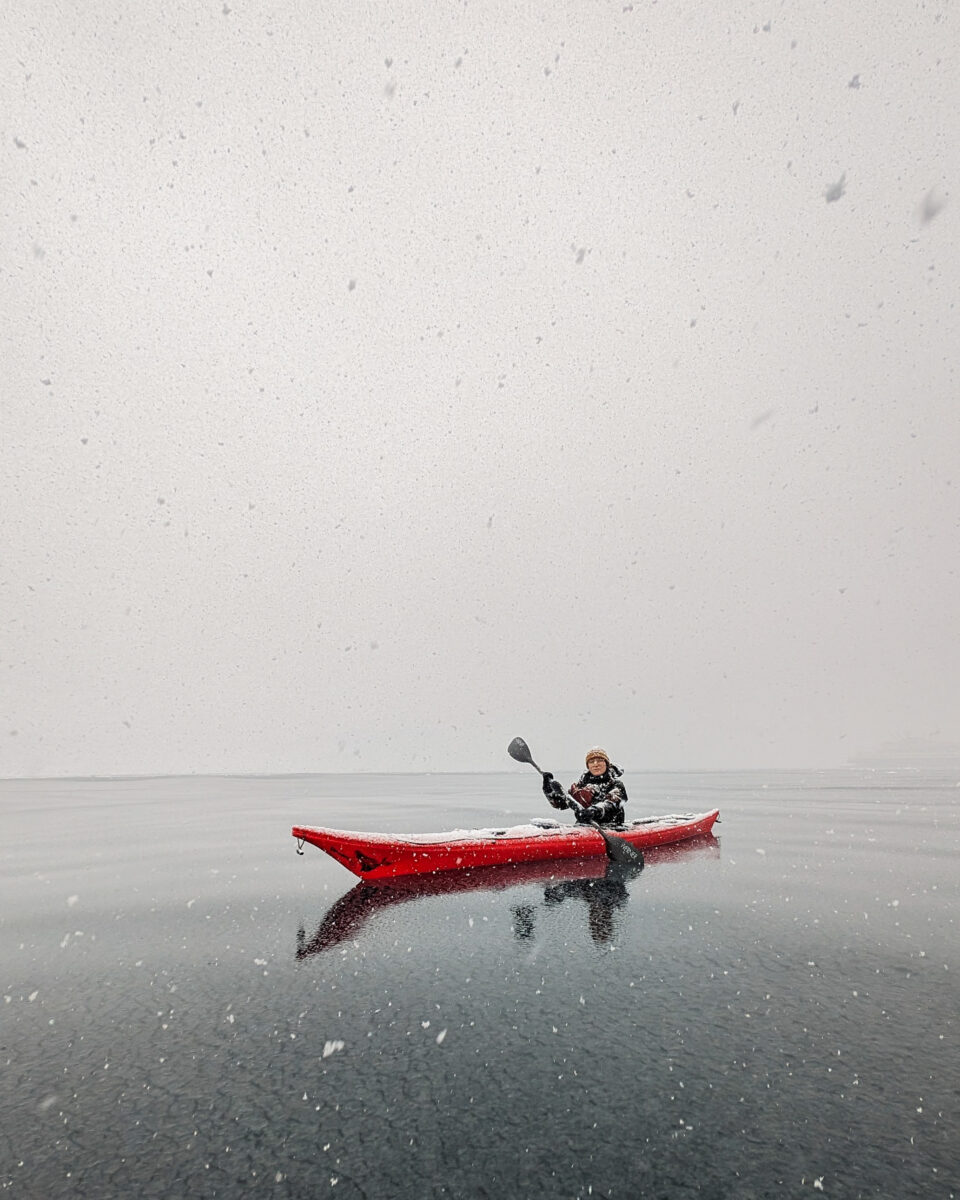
(127,776)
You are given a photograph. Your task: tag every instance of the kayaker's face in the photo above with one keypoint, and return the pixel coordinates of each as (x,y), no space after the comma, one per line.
(597,766)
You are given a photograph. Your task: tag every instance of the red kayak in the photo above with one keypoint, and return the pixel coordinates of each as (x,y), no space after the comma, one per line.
(383,855)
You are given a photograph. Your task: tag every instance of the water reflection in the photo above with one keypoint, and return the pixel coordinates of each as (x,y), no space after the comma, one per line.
(602,897)
(599,883)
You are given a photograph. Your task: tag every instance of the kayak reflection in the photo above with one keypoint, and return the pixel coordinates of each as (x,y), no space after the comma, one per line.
(597,881)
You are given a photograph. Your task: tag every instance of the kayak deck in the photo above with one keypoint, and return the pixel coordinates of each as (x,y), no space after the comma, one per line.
(380,855)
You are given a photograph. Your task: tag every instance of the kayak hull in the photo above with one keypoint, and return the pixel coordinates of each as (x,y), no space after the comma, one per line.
(384,856)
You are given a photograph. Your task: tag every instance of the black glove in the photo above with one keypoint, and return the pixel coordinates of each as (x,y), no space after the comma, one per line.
(590,813)
(553,791)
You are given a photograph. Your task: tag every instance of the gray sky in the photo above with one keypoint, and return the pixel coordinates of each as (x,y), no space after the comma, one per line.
(382,381)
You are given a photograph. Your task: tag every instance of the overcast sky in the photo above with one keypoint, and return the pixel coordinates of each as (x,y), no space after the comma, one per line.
(382,381)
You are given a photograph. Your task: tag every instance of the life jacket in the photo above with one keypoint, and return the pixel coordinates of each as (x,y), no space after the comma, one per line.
(593,789)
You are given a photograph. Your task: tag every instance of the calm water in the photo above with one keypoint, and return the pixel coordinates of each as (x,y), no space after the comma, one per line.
(189,1008)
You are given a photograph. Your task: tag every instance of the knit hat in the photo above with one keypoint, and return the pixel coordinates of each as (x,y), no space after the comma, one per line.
(597,752)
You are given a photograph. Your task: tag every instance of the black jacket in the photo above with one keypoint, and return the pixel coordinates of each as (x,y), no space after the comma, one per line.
(604,792)
(608,794)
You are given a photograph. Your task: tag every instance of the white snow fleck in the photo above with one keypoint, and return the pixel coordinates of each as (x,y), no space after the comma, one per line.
(33,996)
(72,900)
(440,1036)
(332,1047)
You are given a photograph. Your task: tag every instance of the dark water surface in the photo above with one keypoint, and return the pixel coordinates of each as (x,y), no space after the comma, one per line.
(188,1008)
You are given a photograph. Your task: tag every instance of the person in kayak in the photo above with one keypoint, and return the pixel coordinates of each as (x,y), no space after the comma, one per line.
(598,795)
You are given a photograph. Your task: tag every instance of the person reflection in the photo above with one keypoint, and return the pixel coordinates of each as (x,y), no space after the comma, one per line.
(603,896)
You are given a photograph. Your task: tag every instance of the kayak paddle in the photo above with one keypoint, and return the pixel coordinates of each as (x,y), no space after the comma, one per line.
(618,850)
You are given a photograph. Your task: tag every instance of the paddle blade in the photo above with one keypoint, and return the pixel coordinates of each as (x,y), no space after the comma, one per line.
(520,751)
(621,851)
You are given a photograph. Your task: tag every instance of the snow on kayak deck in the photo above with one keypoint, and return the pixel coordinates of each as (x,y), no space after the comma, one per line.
(543,826)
